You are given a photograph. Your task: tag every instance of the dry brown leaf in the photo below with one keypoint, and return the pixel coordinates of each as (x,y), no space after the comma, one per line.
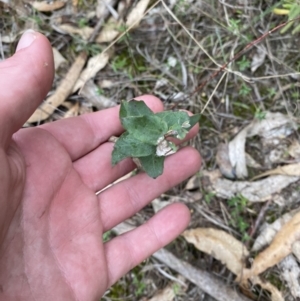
(84,32)
(280,247)
(58,58)
(46,6)
(62,92)
(193,183)
(73,111)
(220,245)
(136,14)
(275,293)
(109,32)
(288,170)
(94,65)
(269,231)
(168,293)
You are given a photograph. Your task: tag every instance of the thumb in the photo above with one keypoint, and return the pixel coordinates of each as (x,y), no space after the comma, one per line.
(25,80)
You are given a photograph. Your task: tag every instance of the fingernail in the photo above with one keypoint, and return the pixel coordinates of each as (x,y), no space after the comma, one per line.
(26,40)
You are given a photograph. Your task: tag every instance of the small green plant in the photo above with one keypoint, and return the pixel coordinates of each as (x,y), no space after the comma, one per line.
(82,22)
(260,115)
(237,205)
(234,25)
(244,90)
(244,63)
(208,197)
(119,63)
(146,136)
(291,8)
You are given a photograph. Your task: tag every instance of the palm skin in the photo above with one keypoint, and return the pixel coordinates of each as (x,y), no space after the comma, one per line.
(51,220)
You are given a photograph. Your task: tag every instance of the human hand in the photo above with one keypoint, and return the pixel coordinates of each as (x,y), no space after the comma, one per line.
(51,220)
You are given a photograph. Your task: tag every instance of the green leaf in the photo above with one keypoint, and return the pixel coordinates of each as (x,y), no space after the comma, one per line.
(152,165)
(194,119)
(173,119)
(134,108)
(128,146)
(146,129)
(146,135)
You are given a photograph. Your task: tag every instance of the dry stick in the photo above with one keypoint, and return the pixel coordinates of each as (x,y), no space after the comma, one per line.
(243,51)
(258,220)
(204,280)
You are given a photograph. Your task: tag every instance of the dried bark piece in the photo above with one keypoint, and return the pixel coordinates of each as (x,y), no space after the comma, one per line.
(220,245)
(258,191)
(291,274)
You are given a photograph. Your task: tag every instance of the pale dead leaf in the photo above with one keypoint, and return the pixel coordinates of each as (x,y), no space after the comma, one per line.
(84,32)
(280,247)
(110,31)
(275,293)
(102,7)
(94,65)
(169,292)
(220,245)
(251,162)
(274,125)
(223,161)
(90,92)
(258,191)
(291,274)
(294,149)
(158,204)
(10,38)
(73,111)
(269,231)
(136,14)
(58,58)
(288,170)
(46,6)
(62,92)
(193,183)
(258,58)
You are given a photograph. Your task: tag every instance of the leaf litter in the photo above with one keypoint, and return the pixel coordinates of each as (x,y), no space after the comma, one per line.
(255,191)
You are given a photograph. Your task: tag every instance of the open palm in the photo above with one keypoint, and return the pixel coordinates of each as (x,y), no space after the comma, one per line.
(51,220)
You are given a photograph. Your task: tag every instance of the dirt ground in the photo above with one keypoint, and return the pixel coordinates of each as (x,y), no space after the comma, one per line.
(238,65)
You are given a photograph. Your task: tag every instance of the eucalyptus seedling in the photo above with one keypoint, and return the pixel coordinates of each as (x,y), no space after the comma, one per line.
(147,135)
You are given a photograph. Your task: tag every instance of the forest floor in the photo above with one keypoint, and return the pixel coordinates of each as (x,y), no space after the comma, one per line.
(241,243)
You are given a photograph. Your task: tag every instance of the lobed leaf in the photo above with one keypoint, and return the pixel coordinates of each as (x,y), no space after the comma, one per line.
(146,129)
(152,165)
(146,135)
(128,146)
(134,108)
